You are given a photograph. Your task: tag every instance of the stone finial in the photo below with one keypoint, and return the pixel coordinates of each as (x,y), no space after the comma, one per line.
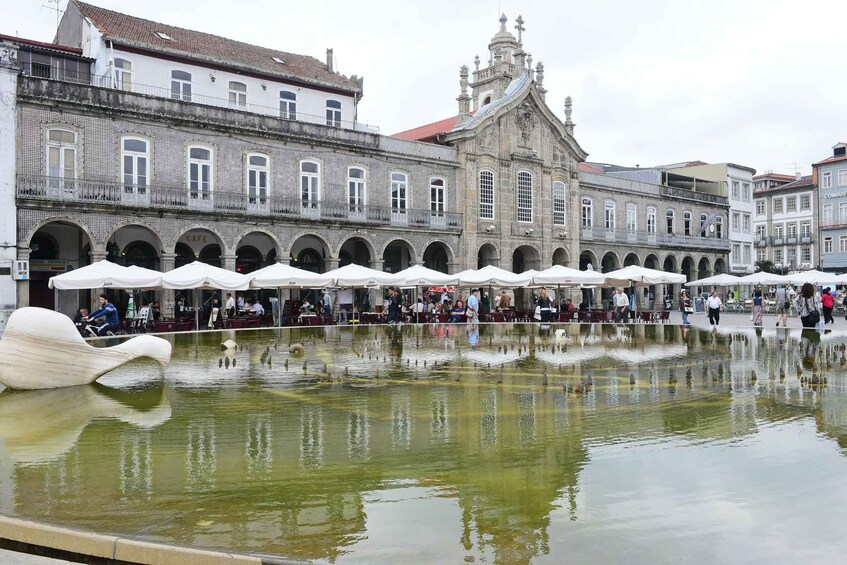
(539,79)
(464,100)
(463,78)
(529,60)
(519,21)
(568,113)
(503,20)
(476,62)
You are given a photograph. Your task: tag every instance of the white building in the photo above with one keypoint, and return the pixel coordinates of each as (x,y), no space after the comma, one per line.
(785,222)
(8,221)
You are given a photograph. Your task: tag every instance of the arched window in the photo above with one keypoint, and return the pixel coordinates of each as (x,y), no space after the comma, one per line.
(631,218)
(486,101)
(609,216)
(670,218)
(135,159)
(237,95)
(587,213)
(61,154)
(702,228)
(310,184)
(559,203)
(258,174)
(200,178)
(123,74)
(333,113)
(181,85)
(287,105)
(686,223)
(651,220)
(437,197)
(524,194)
(357,189)
(719,227)
(486,195)
(399,185)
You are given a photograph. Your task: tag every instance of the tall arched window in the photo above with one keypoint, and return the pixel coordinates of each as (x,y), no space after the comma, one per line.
(609,215)
(719,227)
(587,213)
(181,85)
(200,178)
(651,220)
(486,195)
(123,74)
(333,113)
(686,223)
(135,159)
(356,189)
(399,186)
(559,203)
(310,184)
(702,228)
(631,218)
(524,195)
(437,197)
(258,174)
(61,154)
(670,219)
(287,105)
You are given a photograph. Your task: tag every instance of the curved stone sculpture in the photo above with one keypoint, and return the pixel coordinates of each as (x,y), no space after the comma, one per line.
(43,349)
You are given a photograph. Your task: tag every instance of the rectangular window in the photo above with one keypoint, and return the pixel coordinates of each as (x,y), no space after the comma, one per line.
(745,191)
(826,180)
(736,252)
(777,231)
(199,173)
(609,216)
(791,230)
(827,245)
(747,253)
(587,213)
(436,197)
(791,204)
(842,244)
(670,223)
(736,220)
(777,205)
(61,154)
(524,194)
(356,189)
(761,232)
(333,113)
(842,177)
(181,85)
(806,253)
(805,229)
(135,157)
(399,184)
(842,213)
(805,202)
(310,184)
(123,74)
(651,220)
(745,223)
(761,254)
(760,207)
(735,189)
(237,95)
(631,218)
(777,256)
(486,195)
(257,179)
(827,215)
(558,203)
(287,105)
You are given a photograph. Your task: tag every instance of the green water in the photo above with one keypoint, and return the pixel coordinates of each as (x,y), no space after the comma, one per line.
(641,444)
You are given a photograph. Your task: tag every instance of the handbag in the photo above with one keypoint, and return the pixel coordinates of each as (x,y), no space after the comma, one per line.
(688,310)
(537,315)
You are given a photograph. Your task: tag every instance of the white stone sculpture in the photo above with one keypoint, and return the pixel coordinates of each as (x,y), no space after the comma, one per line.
(43,349)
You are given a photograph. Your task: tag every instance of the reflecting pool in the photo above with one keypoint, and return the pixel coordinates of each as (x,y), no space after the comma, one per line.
(446,444)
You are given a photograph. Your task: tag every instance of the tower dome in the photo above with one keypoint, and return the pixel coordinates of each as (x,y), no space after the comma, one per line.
(504,40)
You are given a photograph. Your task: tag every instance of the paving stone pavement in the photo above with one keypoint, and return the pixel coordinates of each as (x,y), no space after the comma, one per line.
(14,558)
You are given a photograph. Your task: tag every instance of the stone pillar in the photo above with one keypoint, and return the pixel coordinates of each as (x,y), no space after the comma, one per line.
(8,210)
(375,294)
(228,262)
(168,303)
(331,263)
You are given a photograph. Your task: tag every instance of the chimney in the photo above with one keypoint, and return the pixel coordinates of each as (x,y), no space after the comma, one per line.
(329,60)
(798,175)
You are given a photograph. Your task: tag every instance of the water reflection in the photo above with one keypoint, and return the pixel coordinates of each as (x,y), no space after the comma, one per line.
(415,444)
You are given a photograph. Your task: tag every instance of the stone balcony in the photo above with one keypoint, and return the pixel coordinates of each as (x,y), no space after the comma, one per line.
(38,191)
(601,234)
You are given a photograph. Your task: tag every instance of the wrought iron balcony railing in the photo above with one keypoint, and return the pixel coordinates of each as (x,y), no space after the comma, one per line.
(640,237)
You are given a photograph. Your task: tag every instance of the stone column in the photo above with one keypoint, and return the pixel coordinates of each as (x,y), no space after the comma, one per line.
(331,263)
(375,294)
(168,300)
(228,262)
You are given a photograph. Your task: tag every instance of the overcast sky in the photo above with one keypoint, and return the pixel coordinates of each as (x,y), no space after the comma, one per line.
(761,83)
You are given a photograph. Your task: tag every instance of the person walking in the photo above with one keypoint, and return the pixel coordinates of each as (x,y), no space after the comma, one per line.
(807,306)
(685,307)
(827,304)
(621,306)
(758,306)
(714,304)
(472,310)
(782,306)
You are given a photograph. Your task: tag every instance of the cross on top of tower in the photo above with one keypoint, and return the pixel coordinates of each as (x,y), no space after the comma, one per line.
(519,21)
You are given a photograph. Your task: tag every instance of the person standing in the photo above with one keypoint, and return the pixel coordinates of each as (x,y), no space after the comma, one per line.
(714,304)
(807,306)
(758,306)
(782,306)
(472,310)
(685,307)
(827,304)
(393,307)
(229,306)
(544,306)
(621,306)
(505,300)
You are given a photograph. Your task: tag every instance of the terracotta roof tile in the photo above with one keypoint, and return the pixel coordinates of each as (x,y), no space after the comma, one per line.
(831,160)
(803,182)
(427,132)
(53,46)
(204,47)
(585,167)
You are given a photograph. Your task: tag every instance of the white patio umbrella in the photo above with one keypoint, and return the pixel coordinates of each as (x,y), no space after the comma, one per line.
(641,276)
(493,276)
(105,274)
(200,276)
(279,275)
(723,279)
(357,276)
(418,275)
(815,277)
(762,277)
(565,276)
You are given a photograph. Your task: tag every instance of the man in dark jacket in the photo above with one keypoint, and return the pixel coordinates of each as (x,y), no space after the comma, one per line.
(109,313)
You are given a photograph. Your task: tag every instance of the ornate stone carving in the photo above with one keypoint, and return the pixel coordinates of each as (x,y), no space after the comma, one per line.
(525,119)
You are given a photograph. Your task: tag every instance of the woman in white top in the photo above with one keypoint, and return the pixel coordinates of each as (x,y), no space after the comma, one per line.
(714,304)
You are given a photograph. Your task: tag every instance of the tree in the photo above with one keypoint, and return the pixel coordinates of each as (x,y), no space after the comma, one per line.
(768,267)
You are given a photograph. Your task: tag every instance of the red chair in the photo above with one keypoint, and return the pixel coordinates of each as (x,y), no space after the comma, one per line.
(665,317)
(236,323)
(498,317)
(565,316)
(253,322)
(646,316)
(583,316)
